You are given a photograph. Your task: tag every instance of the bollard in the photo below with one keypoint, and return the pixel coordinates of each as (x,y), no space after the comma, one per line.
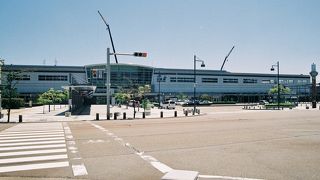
(144,115)
(124,116)
(115,116)
(282,107)
(175,113)
(20,118)
(186,113)
(97,116)
(198,111)
(161,114)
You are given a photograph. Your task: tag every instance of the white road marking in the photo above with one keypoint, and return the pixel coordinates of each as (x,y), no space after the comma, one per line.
(28,140)
(161,167)
(27,145)
(18,153)
(32,147)
(32,143)
(79,170)
(226,177)
(157,164)
(29,133)
(36,136)
(33,166)
(35,158)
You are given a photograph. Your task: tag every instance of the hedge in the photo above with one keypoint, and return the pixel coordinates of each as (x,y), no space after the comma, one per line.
(16,103)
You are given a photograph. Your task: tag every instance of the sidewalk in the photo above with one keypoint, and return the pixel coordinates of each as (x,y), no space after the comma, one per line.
(41,114)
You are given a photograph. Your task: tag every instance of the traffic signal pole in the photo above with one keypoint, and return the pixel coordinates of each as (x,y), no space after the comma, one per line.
(108,74)
(108,83)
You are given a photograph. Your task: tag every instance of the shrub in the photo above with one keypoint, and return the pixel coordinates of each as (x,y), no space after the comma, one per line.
(16,103)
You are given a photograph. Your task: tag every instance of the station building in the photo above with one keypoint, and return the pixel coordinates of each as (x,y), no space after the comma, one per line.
(222,85)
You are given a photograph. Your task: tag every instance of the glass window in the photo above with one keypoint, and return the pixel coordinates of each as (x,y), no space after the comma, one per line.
(210,80)
(230,80)
(250,81)
(52,78)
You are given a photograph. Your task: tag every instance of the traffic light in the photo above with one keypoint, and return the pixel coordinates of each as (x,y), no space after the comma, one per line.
(94,73)
(140,54)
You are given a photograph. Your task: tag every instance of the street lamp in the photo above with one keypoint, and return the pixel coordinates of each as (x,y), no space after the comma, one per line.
(159,79)
(1,64)
(194,84)
(278,83)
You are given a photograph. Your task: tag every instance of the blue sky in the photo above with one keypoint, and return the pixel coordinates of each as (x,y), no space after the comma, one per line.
(171,31)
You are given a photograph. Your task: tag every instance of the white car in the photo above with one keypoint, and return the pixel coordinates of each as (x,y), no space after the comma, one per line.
(168,105)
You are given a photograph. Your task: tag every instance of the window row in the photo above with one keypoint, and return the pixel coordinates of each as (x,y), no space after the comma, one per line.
(235,80)
(52,78)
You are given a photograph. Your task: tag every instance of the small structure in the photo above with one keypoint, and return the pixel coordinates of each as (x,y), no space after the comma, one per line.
(313,75)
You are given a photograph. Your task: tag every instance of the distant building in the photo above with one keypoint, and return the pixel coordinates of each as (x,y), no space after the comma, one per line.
(222,85)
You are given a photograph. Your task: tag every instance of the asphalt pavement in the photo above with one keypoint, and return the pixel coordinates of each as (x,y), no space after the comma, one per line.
(223,143)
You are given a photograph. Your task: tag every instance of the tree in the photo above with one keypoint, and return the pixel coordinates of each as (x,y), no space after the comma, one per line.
(52,97)
(205,97)
(10,91)
(283,90)
(142,90)
(122,97)
(182,96)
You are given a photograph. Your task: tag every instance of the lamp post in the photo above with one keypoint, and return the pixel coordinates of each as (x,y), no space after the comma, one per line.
(194,76)
(159,79)
(278,83)
(1,64)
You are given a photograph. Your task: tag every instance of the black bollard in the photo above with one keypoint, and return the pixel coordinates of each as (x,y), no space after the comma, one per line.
(124,115)
(144,115)
(115,115)
(175,113)
(186,113)
(97,116)
(161,114)
(20,118)
(198,111)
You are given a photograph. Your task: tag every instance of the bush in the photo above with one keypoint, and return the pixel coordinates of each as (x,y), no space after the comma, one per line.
(284,105)
(16,103)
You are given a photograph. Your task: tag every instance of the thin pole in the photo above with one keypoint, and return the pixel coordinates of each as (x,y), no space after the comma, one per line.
(194,84)
(108,83)
(1,64)
(159,76)
(278,85)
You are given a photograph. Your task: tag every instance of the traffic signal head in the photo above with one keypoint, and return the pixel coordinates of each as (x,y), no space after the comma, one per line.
(140,54)
(94,73)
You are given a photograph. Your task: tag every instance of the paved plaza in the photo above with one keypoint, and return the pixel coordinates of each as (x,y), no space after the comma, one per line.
(224,142)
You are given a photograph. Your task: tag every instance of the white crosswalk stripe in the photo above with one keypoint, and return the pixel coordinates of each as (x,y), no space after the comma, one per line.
(33,146)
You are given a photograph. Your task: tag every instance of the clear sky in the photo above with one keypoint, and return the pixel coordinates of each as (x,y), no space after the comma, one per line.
(171,31)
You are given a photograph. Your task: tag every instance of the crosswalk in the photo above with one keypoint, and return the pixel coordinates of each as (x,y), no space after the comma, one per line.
(33,146)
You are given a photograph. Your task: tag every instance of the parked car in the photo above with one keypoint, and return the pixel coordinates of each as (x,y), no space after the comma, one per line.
(263,102)
(168,105)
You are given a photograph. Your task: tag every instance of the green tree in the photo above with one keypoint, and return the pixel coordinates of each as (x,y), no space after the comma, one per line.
(52,97)
(10,91)
(283,90)
(182,96)
(122,97)
(205,97)
(142,90)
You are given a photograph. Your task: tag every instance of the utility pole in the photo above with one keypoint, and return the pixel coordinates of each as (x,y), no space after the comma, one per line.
(1,64)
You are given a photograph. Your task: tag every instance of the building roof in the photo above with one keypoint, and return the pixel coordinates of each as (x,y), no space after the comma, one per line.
(44,68)
(173,71)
